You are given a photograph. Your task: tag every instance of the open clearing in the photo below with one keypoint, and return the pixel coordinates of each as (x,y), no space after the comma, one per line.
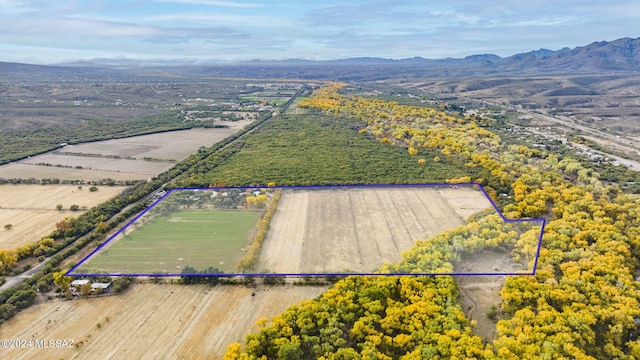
(152,321)
(355,230)
(148,155)
(27,171)
(31,209)
(477,295)
(148,168)
(175,145)
(166,244)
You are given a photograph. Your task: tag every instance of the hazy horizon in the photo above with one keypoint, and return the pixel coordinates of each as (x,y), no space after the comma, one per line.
(40,32)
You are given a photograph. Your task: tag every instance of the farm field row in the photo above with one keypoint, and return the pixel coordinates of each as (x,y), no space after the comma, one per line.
(32,212)
(172,146)
(138,167)
(152,321)
(359,229)
(27,171)
(313,231)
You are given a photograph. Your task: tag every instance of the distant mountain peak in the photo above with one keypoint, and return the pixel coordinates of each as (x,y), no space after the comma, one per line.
(483,57)
(621,55)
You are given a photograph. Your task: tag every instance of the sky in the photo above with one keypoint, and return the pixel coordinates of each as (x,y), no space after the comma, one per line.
(49,31)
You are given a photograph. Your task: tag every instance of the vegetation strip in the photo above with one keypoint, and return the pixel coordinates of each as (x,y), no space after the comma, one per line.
(250,258)
(583,301)
(81,230)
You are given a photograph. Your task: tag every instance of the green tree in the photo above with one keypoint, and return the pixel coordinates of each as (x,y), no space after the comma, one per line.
(121,283)
(188,278)
(7,311)
(102,227)
(22,298)
(211,279)
(290,351)
(44,283)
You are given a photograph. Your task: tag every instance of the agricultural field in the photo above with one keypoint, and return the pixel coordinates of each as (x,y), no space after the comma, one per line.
(133,158)
(198,229)
(269,97)
(38,117)
(313,231)
(590,240)
(27,171)
(152,321)
(226,118)
(355,230)
(32,209)
(168,243)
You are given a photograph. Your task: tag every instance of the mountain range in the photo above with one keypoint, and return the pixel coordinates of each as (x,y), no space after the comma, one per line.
(622,55)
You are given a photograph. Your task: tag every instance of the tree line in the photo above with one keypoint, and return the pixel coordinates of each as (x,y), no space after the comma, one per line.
(582,303)
(78,231)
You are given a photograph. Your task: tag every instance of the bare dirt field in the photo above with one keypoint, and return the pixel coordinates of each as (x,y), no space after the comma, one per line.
(477,295)
(26,171)
(152,321)
(31,209)
(239,124)
(95,161)
(175,145)
(148,168)
(358,229)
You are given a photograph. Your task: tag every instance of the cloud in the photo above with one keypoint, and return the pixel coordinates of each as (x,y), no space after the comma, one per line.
(310,29)
(74,26)
(86,27)
(353,15)
(235,4)
(228,19)
(15,7)
(185,35)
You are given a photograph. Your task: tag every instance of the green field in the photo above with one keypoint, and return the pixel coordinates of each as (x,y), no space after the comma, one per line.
(167,243)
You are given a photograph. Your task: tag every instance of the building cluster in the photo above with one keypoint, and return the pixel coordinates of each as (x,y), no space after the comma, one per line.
(80,286)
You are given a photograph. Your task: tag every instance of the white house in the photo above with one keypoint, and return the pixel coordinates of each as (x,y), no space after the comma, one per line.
(103,286)
(76,284)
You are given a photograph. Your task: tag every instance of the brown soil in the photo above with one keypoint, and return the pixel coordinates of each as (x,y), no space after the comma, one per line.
(358,229)
(151,321)
(31,209)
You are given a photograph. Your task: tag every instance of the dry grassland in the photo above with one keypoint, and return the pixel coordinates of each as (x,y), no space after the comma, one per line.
(358,229)
(146,168)
(152,321)
(174,146)
(31,209)
(239,124)
(26,171)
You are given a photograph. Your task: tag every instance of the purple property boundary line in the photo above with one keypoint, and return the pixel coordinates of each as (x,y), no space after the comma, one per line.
(542,222)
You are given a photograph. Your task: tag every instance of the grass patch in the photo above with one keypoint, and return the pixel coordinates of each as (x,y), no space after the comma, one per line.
(167,243)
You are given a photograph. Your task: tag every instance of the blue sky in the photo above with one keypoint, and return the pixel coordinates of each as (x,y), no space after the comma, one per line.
(42,31)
